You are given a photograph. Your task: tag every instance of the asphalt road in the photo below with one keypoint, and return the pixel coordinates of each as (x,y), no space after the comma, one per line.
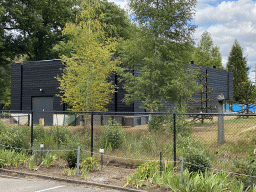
(41,185)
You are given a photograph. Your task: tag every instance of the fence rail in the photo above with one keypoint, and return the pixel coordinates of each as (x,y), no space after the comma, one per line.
(225,138)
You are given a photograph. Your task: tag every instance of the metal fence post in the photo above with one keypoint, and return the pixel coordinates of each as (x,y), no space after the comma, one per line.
(181,170)
(221,135)
(174,138)
(91,134)
(161,163)
(32,115)
(28,119)
(78,161)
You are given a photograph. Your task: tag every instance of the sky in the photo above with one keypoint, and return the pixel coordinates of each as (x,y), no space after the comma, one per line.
(226,21)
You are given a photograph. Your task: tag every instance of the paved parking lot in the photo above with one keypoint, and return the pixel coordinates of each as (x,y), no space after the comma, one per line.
(40,185)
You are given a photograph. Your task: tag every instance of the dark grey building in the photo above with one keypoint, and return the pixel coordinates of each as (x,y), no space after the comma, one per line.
(34,87)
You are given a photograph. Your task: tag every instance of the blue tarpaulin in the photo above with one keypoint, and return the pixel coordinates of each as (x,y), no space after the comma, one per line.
(238,107)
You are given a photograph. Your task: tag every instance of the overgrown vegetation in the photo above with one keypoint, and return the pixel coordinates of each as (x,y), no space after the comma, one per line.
(194,143)
(112,136)
(148,173)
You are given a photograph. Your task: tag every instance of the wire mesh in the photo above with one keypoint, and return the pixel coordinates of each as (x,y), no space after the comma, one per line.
(133,138)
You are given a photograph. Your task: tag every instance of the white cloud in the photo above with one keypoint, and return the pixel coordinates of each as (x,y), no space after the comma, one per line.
(122,4)
(226,22)
(226,12)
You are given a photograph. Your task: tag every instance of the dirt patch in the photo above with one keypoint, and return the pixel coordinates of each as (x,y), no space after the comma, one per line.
(111,175)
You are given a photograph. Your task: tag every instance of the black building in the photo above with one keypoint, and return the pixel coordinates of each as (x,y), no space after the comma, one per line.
(34,87)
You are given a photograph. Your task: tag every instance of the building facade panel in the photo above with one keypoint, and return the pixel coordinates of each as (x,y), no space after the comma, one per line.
(37,79)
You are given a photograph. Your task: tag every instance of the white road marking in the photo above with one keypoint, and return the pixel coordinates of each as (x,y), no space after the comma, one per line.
(50,188)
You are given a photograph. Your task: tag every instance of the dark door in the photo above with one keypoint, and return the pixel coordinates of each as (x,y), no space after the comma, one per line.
(42,107)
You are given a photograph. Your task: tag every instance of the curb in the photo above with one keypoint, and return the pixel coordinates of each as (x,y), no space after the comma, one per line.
(71,180)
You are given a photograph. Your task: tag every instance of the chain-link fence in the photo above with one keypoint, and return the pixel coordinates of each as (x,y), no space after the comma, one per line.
(222,141)
(227,140)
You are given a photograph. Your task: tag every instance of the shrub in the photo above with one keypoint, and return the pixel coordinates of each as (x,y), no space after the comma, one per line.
(16,137)
(112,135)
(147,143)
(61,134)
(71,156)
(38,133)
(247,167)
(193,153)
(198,158)
(156,123)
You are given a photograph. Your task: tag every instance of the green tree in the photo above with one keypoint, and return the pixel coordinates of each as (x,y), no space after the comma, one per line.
(6,56)
(155,57)
(84,84)
(247,94)
(115,20)
(33,27)
(206,54)
(237,64)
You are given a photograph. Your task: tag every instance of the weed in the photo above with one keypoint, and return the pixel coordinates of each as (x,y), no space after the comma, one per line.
(32,163)
(69,171)
(90,164)
(84,173)
(49,159)
(60,161)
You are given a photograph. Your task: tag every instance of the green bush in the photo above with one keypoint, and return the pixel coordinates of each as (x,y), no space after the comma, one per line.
(61,134)
(38,133)
(16,137)
(71,155)
(147,143)
(2,127)
(112,135)
(247,167)
(156,123)
(193,153)
(71,158)
(196,159)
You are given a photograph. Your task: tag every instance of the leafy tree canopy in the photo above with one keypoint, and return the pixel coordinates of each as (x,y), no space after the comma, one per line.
(157,54)
(237,64)
(206,54)
(84,81)
(247,94)
(33,27)
(115,22)
(6,55)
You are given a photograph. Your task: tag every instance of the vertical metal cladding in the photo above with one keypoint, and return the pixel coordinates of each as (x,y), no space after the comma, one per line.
(16,86)
(34,76)
(27,82)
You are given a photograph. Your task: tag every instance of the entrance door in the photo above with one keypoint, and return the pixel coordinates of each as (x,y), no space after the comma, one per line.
(41,107)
